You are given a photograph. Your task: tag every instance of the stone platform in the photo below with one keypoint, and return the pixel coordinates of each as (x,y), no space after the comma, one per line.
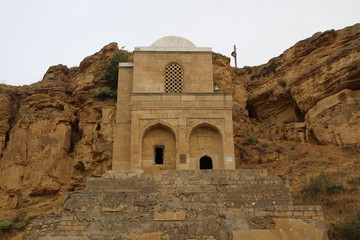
(188,205)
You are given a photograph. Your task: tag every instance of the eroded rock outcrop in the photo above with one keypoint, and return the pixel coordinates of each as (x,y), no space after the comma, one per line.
(336,119)
(289,86)
(53,135)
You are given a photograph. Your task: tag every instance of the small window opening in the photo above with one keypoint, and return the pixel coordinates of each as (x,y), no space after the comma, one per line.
(206,163)
(159,154)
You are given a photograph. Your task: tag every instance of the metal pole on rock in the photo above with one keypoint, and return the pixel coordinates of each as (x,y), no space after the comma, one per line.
(234,55)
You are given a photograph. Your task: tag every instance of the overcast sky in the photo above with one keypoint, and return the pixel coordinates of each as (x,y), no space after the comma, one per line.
(37,34)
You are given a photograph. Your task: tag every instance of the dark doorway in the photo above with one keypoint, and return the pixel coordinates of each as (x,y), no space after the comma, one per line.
(206,163)
(159,154)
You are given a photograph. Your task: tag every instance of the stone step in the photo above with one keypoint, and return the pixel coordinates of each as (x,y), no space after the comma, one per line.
(234,174)
(149,185)
(125,185)
(205,174)
(184,180)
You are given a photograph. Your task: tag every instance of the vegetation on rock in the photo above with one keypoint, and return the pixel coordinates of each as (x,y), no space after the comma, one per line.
(111,76)
(324,190)
(16,224)
(112,67)
(349,229)
(5,226)
(251,140)
(320,185)
(103,93)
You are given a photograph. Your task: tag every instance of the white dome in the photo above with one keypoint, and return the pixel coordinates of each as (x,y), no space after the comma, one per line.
(173,41)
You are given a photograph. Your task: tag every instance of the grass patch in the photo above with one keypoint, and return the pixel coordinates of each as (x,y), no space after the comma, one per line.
(21,214)
(18,223)
(349,229)
(5,226)
(20,226)
(103,93)
(321,185)
(251,140)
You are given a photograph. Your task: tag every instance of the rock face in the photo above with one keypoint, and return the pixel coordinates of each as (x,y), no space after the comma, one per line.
(53,136)
(336,119)
(288,87)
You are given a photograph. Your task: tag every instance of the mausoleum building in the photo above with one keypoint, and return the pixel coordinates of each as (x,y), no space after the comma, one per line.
(168,114)
(171,122)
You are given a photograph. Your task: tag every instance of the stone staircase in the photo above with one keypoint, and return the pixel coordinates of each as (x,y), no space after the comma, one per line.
(187,205)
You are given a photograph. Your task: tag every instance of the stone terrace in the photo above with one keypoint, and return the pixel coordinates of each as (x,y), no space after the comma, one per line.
(188,204)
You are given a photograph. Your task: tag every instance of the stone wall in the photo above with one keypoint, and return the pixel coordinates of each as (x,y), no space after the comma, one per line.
(149,71)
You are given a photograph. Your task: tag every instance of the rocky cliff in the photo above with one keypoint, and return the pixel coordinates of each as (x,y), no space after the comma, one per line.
(315,83)
(53,136)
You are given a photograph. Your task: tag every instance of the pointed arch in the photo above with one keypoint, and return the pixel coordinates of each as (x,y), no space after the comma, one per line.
(158,148)
(160,124)
(205,139)
(206,124)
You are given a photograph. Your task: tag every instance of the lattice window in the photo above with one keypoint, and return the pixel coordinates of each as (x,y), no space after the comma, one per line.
(173,78)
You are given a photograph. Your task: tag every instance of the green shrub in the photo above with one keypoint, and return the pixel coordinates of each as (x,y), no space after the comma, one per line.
(334,188)
(348,229)
(102,93)
(5,226)
(112,68)
(20,226)
(322,184)
(21,214)
(251,140)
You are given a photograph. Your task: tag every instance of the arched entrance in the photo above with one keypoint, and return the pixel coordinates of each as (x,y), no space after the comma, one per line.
(158,149)
(205,141)
(206,163)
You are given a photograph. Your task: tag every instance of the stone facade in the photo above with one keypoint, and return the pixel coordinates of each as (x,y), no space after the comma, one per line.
(168,115)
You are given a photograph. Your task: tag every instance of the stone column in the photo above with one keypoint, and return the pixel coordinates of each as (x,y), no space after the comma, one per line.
(228,142)
(136,143)
(182,146)
(122,129)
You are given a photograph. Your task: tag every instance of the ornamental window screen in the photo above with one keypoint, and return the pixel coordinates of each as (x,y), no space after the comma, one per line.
(173,78)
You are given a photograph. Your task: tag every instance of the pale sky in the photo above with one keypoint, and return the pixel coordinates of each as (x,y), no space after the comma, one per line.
(37,34)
